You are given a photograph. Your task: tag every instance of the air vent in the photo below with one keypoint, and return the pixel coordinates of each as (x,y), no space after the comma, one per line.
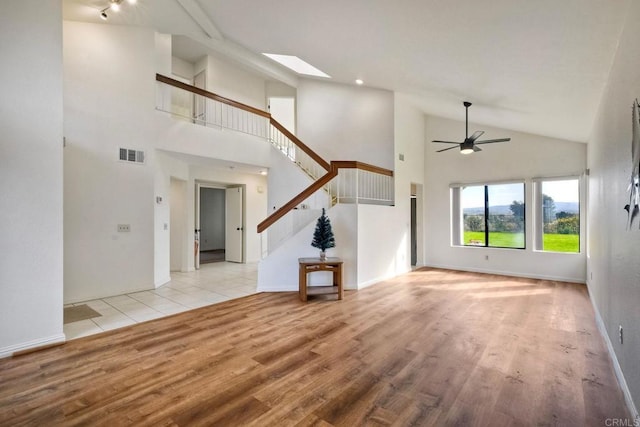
(128,155)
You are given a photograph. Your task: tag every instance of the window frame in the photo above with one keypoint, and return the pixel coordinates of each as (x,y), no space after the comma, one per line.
(457,214)
(538,216)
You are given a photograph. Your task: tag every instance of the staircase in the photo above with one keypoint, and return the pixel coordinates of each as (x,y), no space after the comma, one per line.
(338,181)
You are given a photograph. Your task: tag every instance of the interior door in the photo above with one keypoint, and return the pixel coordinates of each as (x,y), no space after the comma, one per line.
(196,237)
(234,235)
(283,109)
(414,234)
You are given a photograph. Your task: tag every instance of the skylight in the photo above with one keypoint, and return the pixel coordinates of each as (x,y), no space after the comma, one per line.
(296,64)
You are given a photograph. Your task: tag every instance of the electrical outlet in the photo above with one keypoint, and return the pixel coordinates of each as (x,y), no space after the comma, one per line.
(620,334)
(486,257)
(124,228)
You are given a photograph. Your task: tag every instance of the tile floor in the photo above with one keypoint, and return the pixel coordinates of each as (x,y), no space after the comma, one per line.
(213,283)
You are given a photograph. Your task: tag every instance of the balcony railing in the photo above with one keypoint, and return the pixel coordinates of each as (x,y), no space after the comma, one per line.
(205,108)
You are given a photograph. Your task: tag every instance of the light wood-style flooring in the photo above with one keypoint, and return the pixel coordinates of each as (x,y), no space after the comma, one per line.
(432,347)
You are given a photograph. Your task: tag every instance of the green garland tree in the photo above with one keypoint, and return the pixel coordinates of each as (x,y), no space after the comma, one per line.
(323,235)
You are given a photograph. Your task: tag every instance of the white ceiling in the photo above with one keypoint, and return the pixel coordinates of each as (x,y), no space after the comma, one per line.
(532,66)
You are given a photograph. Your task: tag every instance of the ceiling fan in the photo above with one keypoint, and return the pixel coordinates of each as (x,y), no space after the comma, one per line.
(469,144)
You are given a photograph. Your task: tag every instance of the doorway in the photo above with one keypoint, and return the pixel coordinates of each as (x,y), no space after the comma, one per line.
(414,232)
(416,237)
(283,109)
(219,223)
(212,225)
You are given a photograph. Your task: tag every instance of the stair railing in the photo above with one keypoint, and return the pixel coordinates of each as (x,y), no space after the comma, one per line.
(347,182)
(340,181)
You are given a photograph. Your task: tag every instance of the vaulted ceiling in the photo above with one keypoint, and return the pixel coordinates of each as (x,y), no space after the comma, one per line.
(532,66)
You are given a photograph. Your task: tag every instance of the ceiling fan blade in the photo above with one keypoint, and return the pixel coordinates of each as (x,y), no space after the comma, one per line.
(475,149)
(477,134)
(445,149)
(445,142)
(490,141)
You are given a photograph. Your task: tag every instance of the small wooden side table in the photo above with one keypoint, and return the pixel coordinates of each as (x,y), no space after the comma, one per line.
(309,265)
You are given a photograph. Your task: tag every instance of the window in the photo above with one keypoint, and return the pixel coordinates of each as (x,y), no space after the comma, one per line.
(558,215)
(491,215)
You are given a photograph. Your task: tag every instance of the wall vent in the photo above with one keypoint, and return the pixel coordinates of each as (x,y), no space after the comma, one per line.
(128,155)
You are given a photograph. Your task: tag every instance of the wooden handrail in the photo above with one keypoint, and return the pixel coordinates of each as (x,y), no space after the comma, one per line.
(331,168)
(321,182)
(301,145)
(351,164)
(176,83)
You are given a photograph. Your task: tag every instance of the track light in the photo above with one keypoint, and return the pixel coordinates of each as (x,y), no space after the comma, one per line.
(114,5)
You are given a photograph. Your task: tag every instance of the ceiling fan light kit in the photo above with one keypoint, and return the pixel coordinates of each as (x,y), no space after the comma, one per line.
(470,143)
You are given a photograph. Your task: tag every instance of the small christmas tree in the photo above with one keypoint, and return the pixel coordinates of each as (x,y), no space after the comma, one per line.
(323,235)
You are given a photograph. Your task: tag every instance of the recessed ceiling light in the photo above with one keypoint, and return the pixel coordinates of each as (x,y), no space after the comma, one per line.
(115,6)
(296,64)
(359,82)
(263,172)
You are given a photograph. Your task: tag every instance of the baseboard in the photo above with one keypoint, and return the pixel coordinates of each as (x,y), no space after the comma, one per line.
(381,279)
(616,366)
(42,342)
(350,287)
(285,288)
(96,296)
(508,273)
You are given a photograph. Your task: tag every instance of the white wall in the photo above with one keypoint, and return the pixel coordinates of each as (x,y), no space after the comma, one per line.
(343,122)
(182,68)
(178,224)
(279,271)
(384,233)
(526,156)
(273,88)
(235,82)
(161,209)
(109,92)
(109,95)
(31,119)
(171,183)
(182,137)
(409,132)
(613,267)
(383,237)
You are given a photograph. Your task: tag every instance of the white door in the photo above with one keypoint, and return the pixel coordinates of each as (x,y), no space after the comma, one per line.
(196,236)
(234,229)
(283,109)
